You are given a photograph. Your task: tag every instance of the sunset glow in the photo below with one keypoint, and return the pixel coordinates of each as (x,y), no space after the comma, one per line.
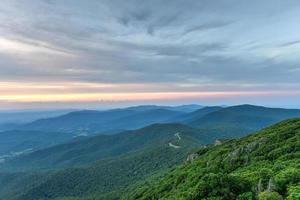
(124,96)
(108,51)
(84,92)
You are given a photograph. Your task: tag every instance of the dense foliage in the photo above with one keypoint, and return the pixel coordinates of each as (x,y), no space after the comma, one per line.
(264,166)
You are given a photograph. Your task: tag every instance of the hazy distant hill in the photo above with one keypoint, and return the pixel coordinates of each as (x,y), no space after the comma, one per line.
(27,116)
(182,108)
(52,131)
(110,121)
(216,122)
(79,120)
(87,122)
(265,165)
(246,116)
(196,115)
(13,143)
(12,119)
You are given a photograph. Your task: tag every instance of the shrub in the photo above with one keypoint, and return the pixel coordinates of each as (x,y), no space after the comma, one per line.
(269,196)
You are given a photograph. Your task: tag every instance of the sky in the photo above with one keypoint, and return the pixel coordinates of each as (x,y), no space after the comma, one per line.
(109,53)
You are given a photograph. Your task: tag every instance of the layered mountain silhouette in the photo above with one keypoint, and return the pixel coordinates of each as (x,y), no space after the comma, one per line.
(106,154)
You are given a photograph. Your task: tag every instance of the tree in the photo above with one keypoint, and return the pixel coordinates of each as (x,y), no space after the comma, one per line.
(293,192)
(269,196)
(246,196)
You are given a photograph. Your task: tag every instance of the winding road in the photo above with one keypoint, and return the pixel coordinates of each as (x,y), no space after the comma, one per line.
(179,138)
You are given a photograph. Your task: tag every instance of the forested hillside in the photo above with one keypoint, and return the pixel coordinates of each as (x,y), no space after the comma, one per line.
(264,166)
(86,151)
(102,164)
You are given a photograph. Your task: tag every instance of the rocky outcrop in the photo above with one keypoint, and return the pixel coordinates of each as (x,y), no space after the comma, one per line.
(192,157)
(218,142)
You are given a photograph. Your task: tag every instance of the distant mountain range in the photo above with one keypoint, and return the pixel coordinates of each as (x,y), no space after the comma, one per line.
(67,157)
(111,121)
(183,108)
(12,119)
(47,132)
(196,115)
(21,117)
(219,122)
(246,116)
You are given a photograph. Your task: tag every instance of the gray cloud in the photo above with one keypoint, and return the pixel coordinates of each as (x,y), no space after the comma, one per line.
(291,43)
(150,42)
(207,26)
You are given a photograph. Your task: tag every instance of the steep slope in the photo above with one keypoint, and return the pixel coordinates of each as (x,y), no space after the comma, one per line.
(265,165)
(245,116)
(14,184)
(89,122)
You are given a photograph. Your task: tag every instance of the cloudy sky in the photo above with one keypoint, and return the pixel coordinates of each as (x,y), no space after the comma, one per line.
(77,53)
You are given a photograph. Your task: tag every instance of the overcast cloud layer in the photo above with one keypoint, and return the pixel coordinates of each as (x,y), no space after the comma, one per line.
(117,46)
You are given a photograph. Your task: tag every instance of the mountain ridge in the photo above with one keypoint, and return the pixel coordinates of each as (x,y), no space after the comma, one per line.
(264,165)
